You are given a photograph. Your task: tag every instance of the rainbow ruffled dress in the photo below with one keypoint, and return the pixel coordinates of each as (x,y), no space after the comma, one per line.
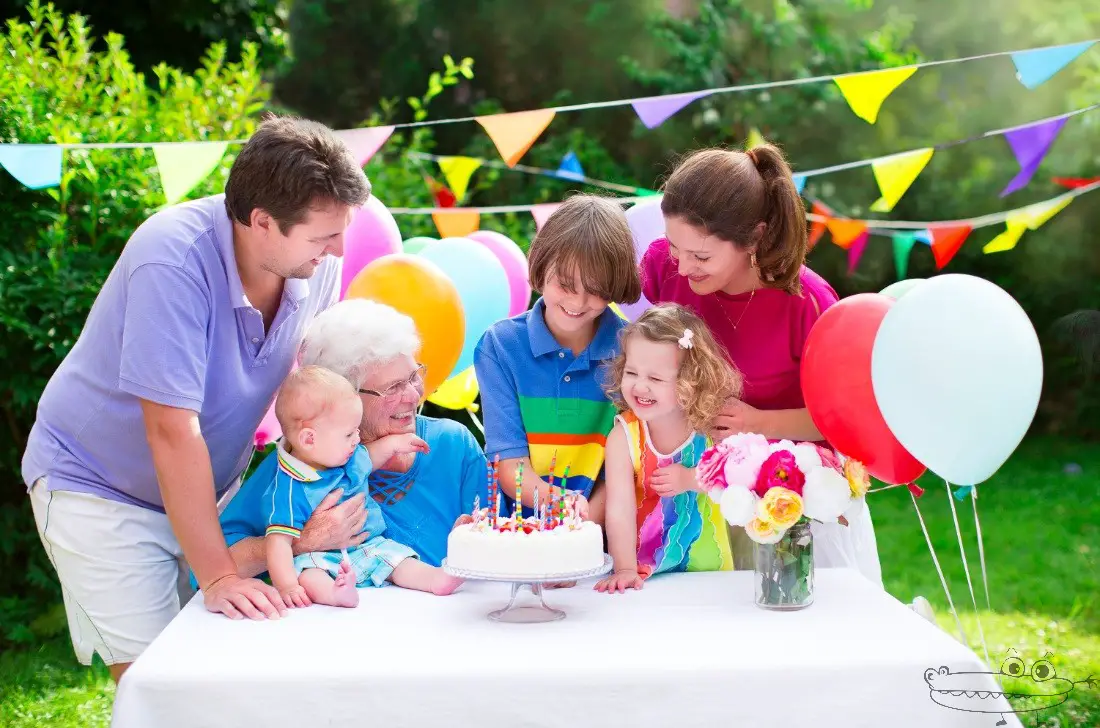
(685,532)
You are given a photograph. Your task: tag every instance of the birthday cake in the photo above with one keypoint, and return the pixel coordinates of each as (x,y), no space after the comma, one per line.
(555,541)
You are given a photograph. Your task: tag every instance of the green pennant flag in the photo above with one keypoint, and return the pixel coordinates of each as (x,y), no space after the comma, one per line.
(182,166)
(643,192)
(903,243)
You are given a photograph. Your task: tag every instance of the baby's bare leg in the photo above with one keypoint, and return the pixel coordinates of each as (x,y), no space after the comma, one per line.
(415,574)
(323,589)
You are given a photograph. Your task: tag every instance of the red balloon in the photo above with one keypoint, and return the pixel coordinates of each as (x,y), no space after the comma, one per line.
(836,383)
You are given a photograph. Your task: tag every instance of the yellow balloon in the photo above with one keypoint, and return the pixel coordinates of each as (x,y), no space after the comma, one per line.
(421,290)
(458,392)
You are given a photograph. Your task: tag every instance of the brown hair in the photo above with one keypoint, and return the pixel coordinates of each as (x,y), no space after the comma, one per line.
(705,380)
(729,194)
(308,393)
(290,165)
(590,234)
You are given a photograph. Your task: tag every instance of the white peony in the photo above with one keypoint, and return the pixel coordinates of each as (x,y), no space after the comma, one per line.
(738,505)
(763,532)
(855,509)
(826,495)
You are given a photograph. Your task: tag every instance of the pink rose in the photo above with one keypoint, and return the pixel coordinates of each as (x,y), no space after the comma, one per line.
(748,454)
(779,471)
(710,472)
(829,458)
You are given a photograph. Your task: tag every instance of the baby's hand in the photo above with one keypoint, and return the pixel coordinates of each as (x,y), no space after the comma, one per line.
(405,443)
(295,596)
(620,581)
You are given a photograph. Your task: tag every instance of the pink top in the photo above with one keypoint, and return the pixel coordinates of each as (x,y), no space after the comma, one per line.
(771,329)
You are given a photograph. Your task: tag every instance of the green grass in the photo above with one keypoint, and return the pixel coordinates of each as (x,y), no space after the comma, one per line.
(1041,529)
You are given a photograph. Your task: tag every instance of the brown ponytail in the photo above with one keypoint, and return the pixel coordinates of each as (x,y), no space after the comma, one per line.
(729,194)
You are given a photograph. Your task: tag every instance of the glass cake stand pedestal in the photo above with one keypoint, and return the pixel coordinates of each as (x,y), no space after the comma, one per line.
(527,611)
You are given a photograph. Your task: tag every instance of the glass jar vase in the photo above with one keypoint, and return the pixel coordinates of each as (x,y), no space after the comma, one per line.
(785,570)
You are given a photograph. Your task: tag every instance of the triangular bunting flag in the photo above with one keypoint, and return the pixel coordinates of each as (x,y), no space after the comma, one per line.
(946,241)
(457,171)
(755,138)
(184,165)
(923,236)
(542,213)
(855,250)
(1030,144)
(35,165)
(818,227)
(1035,216)
(643,192)
(1007,240)
(440,192)
(903,245)
(846,232)
(1037,66)
(895,174)
(655,111)
(364,143)
(570,167)
(457,224)
(800,182)
(865,92)
(1075,182)
(513,134)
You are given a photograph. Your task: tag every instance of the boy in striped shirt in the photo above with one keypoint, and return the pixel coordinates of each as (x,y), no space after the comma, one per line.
(540,373)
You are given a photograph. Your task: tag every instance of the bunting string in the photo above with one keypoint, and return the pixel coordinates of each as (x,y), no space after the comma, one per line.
(542,171)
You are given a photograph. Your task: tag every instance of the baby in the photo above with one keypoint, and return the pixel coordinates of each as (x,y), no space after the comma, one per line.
(320,413)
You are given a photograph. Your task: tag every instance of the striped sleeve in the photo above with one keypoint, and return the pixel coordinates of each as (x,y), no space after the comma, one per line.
(280,512)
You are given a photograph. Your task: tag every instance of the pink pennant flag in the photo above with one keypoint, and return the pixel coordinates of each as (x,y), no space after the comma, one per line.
(1030,144)
(365,143)
(542,213)
(855,250)
(655,111)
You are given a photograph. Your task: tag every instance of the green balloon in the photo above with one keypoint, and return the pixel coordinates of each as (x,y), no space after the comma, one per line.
(412,246)
(899,289)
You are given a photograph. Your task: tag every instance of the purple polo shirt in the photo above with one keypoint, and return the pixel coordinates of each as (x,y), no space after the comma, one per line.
(171,325)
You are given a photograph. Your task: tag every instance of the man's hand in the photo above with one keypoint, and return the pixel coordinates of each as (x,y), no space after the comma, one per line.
(334,525)
(673,480)
(236,598)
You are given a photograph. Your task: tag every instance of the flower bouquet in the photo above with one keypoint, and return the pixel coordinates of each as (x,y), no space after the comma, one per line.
(774,490)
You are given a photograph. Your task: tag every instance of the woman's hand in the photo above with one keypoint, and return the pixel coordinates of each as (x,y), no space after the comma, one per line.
(736,418)
(673,480)
(334,525)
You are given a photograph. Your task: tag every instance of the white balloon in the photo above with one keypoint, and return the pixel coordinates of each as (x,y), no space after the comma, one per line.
(646,224)
(957,372)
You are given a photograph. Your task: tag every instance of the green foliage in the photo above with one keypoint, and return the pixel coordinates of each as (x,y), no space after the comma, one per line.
(56,87)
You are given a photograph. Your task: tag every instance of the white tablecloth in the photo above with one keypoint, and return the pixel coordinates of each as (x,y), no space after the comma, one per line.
(687,650)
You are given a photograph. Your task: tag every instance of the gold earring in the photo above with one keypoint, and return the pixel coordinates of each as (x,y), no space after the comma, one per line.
(752,259)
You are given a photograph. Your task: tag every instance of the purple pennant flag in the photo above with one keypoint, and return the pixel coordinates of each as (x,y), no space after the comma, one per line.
(1030,144)
(655,111)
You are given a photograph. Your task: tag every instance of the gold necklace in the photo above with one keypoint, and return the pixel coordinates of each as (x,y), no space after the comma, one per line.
(722,306)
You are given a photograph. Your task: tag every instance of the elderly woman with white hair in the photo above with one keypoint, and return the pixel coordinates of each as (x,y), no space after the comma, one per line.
(421,494)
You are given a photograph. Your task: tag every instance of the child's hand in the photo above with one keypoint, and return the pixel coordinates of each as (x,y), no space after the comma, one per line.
(580,503)
(294,595)
(673,480)
(620,581)
(406,443)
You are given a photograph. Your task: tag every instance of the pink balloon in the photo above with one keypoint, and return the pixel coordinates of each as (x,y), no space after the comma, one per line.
(373,233)
(515,267)
(269,430)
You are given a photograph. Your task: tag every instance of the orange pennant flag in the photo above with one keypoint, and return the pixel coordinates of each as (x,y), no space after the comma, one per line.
(457,224)
(946,241)
(513,134)
(817,227)
(846,232)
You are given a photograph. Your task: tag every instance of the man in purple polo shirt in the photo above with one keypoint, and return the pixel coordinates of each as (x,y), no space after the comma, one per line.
(150,418)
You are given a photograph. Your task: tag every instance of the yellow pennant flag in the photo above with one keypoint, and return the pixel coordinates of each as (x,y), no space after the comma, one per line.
(457,171)
(1020,221)
(457,224)
(865,92)
(1014,230)
(895,174)
(1041,212)
(755,139)
(182,166)
(513,134)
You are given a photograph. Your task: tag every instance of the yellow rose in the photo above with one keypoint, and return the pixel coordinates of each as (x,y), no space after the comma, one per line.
(858,479)
(763,531)
(780,507)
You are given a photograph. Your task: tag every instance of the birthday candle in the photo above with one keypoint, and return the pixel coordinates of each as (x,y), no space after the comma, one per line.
(564,480)
(495,495)
(519,491)
(537,513)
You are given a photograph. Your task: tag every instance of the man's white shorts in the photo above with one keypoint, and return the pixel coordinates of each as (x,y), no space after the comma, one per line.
(121,569)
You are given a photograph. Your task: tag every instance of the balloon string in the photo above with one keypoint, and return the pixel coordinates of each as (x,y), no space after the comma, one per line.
(476,421)
(943,581)
(966,570)
(981,546)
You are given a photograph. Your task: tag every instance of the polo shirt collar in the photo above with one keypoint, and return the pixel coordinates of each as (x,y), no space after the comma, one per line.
(295,468)
(604,344)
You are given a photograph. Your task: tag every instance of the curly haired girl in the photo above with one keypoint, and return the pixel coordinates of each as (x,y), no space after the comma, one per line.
(669,383)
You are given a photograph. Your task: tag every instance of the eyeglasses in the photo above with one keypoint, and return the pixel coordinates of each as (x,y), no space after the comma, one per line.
(392,392)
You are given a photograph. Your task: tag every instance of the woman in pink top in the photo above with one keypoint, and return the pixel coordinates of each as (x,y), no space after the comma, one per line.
(734,253)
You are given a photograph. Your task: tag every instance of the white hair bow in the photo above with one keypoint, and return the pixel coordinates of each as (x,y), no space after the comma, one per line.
(685,340)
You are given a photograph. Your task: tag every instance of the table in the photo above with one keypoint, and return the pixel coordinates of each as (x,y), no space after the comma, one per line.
(687,650)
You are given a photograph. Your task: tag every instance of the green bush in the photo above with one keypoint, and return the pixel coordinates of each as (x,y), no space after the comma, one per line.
(59,85)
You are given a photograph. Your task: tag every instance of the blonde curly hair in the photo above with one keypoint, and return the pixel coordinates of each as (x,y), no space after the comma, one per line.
(705,380)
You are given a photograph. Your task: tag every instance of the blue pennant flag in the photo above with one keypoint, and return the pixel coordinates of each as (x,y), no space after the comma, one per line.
(1037,66)
(34,165)
(800,182)
(923,236)
(571,167)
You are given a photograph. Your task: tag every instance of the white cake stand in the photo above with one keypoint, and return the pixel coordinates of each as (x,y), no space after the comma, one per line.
(530,611)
